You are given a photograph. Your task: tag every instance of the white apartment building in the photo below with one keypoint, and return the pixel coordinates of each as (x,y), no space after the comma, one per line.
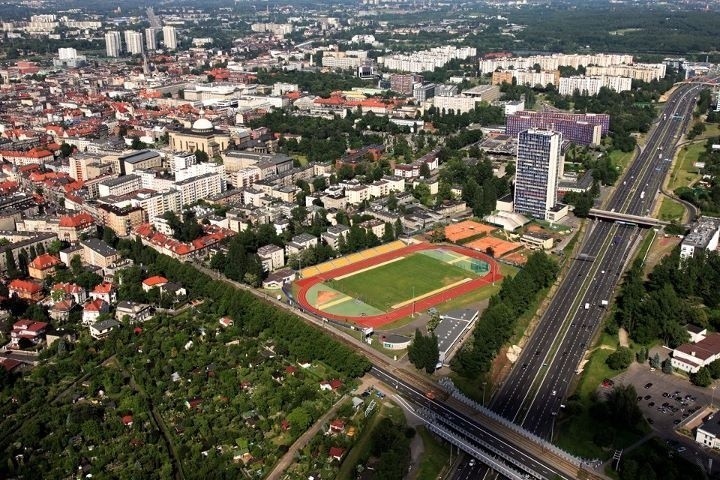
(150,39)
(169,37)
(592,85)
(134,42)
(182,160)
(357,194)
(156,204)
(539,165)
(458,104)
(426,60)
(382,188)
(113,45)
(277,29)
(647,72)
(119,186)
(247,176)
(272,257)
(199,169)
(343,60)
(532,78)
(196,188)
(552,62)
(281,88)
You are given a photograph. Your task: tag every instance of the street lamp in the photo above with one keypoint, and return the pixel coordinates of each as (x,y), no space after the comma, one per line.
(483,384)
(552,426)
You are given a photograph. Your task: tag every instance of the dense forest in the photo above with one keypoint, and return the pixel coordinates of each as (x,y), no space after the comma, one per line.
(616,28)
(499,321)
(677,292)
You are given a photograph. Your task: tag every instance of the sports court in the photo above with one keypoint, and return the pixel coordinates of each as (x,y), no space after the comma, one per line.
(456,232)
(395,284)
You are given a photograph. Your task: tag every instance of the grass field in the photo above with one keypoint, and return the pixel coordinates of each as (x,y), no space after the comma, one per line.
(671,210)
(684,172)
(621,159)
(395,282)
(435,457)
(575,432)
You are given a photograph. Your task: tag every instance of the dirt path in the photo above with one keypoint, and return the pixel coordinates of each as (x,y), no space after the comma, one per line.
(302,440)
(623,338)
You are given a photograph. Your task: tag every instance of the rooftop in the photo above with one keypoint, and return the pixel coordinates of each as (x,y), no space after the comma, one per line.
(702,232)
(99,247)
(137,157)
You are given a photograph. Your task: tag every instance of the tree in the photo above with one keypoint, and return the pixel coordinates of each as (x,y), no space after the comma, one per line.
(424,170)
(714,369)
(702,378)
(66,149)
(389,233)
(655,361)
(398,228)
(201,156)
(667,366)
(620,359)
(438,233)
(392,202)
(423,351)
(10,261)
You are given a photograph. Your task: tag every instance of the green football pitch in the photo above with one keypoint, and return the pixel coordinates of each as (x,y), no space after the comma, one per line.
(393,283)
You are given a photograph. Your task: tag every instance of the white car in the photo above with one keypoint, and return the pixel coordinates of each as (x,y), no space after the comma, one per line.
(472,462)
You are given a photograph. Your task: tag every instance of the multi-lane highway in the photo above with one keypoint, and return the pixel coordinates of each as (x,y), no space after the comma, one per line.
(533,393)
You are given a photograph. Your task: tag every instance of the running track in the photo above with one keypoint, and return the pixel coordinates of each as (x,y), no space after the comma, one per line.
(423,304)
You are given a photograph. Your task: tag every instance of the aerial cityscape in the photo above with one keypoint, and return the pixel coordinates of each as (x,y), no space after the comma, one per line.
(366,239)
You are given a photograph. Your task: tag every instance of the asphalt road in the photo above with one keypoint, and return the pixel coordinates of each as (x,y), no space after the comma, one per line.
(533,393)
(459,422)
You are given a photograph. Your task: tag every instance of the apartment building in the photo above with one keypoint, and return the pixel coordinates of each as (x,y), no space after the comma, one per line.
(539,165)
(119,186)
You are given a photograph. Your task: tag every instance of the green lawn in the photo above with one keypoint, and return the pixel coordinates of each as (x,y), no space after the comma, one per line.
(684,172)
(395,282)
(575,432)
(434,458)
(671,210)
(621,159)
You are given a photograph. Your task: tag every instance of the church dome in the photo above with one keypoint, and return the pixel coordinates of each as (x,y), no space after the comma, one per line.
(202,125)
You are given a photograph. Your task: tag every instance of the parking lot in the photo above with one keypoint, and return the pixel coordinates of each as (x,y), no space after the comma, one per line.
(671,404)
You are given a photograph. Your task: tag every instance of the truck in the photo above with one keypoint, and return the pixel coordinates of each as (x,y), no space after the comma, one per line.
(603,303)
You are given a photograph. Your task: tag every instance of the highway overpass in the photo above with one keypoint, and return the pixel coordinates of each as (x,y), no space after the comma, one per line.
(626,217)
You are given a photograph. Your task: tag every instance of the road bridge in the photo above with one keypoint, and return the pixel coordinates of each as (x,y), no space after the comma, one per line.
(627,218)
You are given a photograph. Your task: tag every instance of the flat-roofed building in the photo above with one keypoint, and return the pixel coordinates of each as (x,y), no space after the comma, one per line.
(703,235)
(140,160)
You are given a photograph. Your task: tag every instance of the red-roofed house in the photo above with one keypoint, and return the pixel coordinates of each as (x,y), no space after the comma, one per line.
(9,364)
(61,291)
(336,453)
(153,282)
(43,266)
(93,309)
(127,420)
(26,289)
(226,322)
(333,385)
(105,291)
(60,311)
(72,226)
(29,330)
(35,155)
(336,426)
